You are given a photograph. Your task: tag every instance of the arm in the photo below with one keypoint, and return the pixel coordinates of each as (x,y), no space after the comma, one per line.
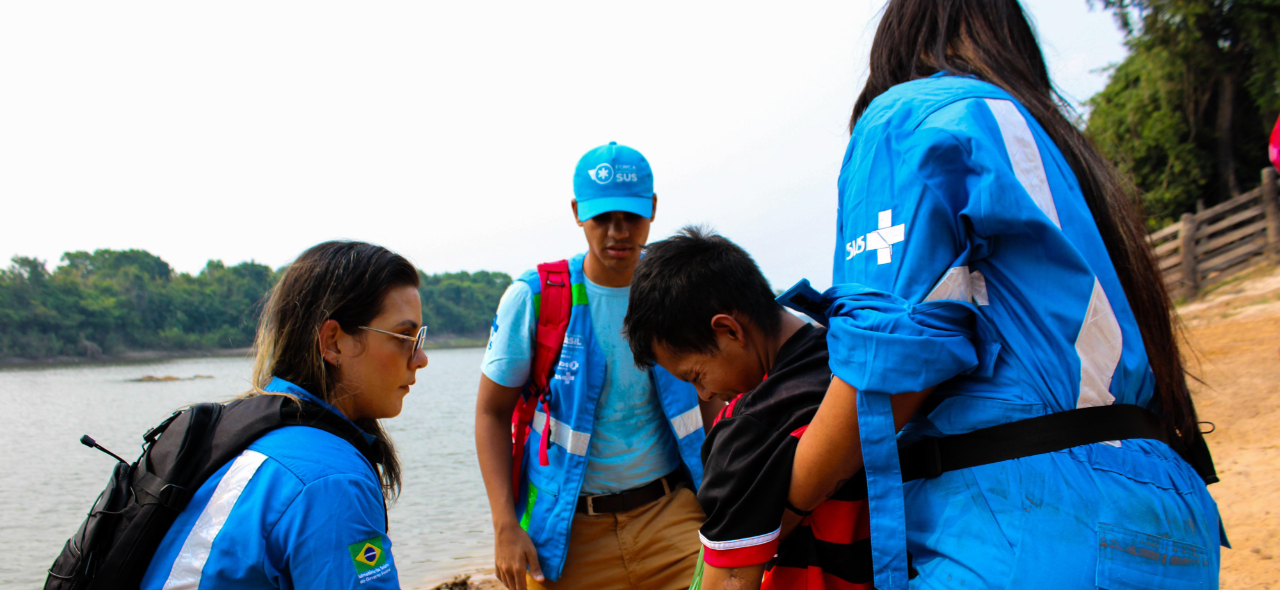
(738,578)
(332,536)
(513,551)
(831,451)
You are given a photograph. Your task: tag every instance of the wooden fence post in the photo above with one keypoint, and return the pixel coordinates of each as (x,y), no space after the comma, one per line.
(1190,275)
(1272,211)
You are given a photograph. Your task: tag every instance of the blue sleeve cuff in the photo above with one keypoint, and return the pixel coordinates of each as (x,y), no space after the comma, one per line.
(879,342)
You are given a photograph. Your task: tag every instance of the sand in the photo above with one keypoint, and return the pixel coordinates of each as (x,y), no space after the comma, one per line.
(484,580)
(1234,337)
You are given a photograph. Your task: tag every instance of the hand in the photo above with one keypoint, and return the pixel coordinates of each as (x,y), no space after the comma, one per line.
(513,553)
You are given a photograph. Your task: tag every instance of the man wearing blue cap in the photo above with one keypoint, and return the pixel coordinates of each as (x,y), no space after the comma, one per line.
(604,493)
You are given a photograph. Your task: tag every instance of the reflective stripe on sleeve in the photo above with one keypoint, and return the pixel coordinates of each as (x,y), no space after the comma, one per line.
(960,285)
(187,568)
(954,286)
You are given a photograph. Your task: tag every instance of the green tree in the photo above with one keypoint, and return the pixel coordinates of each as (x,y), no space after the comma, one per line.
(461,302)
(1188,112)
(111,300)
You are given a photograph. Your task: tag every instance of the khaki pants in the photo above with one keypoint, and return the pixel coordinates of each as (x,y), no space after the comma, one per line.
(653,547)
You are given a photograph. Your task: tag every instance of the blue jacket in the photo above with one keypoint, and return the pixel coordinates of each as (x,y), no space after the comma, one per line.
(300,508)
(550,493)
(966,256)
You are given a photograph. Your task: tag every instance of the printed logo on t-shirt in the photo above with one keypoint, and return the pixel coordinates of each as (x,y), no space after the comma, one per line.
(370,559)
(880,239)
(566,370)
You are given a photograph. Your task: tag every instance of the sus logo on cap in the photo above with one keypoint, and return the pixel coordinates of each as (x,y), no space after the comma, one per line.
(613,178)
(602,173)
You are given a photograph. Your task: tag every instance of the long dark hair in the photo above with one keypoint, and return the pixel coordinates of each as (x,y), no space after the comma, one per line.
(342,281)
(993,41)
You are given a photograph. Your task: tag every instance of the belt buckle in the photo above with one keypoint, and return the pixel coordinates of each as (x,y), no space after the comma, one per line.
(591,505)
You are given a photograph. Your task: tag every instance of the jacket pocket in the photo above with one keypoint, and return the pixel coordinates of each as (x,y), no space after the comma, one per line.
(1130,560)
(540,500)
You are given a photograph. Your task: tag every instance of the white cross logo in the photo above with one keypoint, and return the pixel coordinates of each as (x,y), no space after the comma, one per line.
(883,239)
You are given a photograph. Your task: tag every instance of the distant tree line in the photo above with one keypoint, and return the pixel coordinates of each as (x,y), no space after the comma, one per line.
(111,301)
(1188,112)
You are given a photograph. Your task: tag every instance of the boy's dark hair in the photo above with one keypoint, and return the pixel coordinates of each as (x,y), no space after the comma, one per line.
(684,281)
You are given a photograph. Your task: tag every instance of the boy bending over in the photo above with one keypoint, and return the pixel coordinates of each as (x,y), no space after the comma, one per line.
(701,309)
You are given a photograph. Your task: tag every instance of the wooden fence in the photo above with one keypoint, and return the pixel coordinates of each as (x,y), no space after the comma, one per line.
(1211,245)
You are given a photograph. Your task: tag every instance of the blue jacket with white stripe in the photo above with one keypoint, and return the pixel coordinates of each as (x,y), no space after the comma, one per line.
(300,508)
(549,493)
(967,258)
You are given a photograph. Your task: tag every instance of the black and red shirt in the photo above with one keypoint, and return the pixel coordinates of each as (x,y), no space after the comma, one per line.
(747,473)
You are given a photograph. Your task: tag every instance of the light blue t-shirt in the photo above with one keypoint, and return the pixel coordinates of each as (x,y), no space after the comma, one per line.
(631,444)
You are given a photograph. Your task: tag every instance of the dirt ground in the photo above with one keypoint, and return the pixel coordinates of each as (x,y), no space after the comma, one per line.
(478,581)
(1234,337)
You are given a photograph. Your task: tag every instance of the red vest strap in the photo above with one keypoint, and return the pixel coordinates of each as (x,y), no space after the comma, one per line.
(553,322)
(556,303)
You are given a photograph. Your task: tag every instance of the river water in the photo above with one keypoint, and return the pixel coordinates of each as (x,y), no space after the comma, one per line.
(439,527)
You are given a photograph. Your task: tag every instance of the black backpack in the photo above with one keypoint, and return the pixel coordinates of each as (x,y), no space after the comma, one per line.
(114,545)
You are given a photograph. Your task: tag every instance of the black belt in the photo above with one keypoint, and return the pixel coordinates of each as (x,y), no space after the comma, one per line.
(632,498)
(1045,434)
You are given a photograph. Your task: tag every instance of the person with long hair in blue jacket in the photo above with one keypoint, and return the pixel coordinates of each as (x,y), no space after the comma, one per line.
(303,508)
(991,267)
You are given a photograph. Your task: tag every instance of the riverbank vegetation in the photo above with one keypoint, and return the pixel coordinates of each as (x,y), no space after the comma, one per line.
(110,301)
(1188,112)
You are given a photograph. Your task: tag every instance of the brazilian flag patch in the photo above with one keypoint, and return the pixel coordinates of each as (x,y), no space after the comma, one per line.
(368,555)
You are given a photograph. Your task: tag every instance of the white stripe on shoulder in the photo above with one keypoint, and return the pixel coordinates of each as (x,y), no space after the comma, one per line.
(740,543)
(187,569)
(1099,345)
(687,423)
(1024,155)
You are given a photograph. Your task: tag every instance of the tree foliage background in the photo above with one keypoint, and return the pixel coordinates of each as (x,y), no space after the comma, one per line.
(111,301)
(1188,113)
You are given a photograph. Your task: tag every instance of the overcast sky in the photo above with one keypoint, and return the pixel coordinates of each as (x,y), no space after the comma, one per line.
(446,131)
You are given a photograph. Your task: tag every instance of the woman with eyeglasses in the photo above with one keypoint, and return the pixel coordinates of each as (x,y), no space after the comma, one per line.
(303,508)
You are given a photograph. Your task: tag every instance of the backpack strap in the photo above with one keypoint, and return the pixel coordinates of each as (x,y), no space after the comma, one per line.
(306,413)
(554,308)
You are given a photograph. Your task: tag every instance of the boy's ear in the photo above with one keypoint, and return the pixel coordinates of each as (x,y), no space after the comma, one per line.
(727,327)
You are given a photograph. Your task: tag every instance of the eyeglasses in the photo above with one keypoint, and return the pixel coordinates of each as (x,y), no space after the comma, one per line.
(418,340)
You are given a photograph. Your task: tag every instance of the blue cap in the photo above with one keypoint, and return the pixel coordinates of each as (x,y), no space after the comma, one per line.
(613,178)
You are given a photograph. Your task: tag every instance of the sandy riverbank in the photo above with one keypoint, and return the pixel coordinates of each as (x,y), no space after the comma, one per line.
(481,580)
(146,356)
(1234,333)
(131,356)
